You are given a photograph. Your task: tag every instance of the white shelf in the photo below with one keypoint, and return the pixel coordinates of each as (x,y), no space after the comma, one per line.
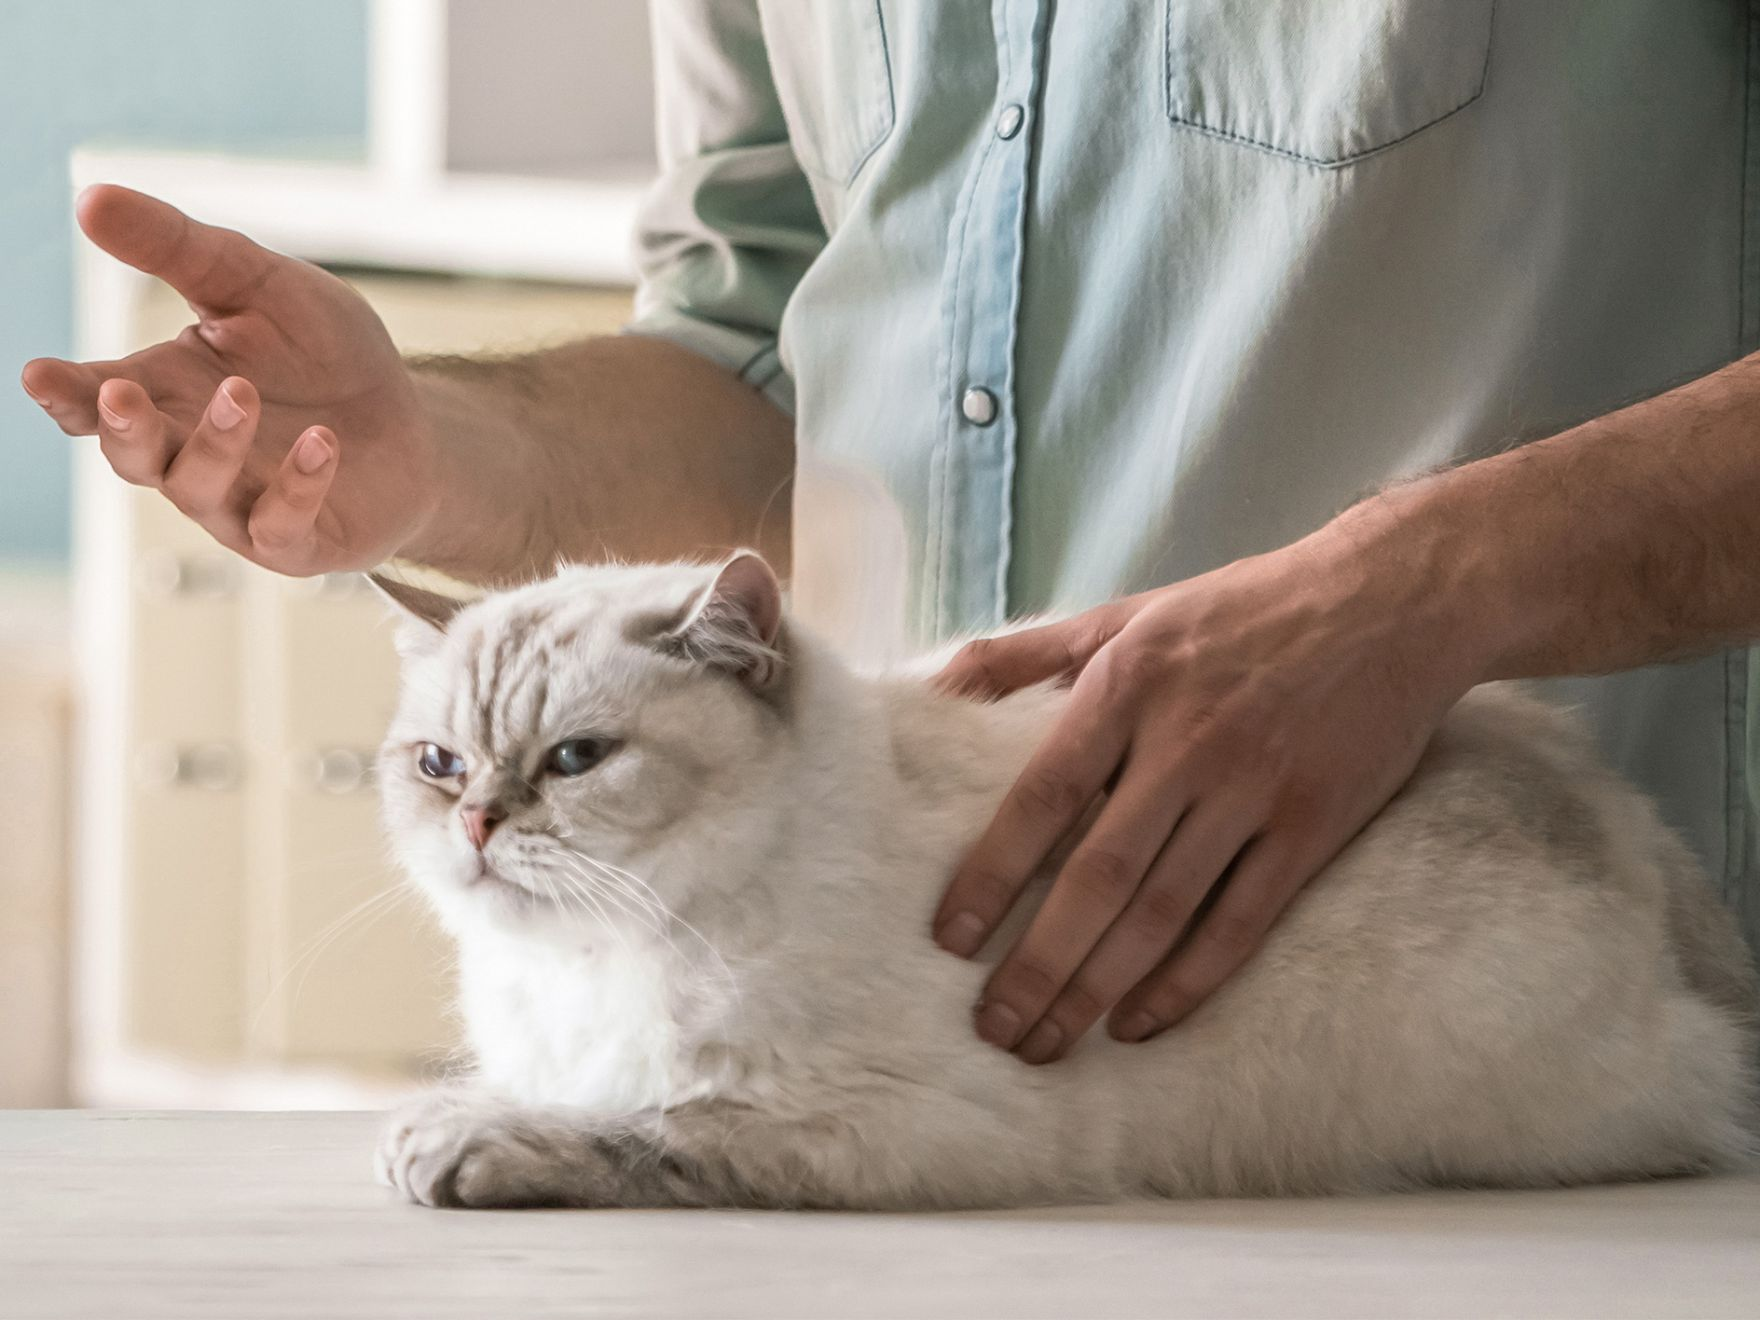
(484,224)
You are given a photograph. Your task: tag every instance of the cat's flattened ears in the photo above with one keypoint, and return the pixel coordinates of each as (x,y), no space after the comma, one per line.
(424,613)
(734,624)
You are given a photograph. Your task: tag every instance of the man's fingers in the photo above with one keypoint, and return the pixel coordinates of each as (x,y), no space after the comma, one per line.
(1095,885)
(67,391)
(215,269)
(1264,880)
(992,667)
(1065,775)
(201,477)
(1203,844)
(283,521)
(136,439)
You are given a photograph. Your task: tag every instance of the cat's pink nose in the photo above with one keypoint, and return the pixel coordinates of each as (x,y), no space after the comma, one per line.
(480,823)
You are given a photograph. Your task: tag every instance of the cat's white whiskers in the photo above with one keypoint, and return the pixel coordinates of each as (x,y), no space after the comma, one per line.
(587,897)
(362,914)
(642,890)
(624,884)
(600,895)
(611,884)
(582,898)
(652,915)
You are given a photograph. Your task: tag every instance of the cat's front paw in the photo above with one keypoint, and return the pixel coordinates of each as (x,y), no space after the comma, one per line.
(457,1149)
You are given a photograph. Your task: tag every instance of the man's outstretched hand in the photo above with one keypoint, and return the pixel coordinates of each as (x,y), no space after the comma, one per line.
(1242,726)
(283,421)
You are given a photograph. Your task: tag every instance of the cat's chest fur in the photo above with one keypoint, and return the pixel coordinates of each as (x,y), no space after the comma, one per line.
(596,1029)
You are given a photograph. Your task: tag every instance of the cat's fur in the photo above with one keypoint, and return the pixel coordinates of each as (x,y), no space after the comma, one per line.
(710,980)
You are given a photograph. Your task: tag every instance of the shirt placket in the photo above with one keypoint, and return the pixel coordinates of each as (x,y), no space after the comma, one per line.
(980,428)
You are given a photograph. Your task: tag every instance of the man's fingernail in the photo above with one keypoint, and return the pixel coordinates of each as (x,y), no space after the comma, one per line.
(310,453)
(224,412)
(999,1024)
(1136,1027)
(40,401)
(116,420)
(961,934)
(1041,1043)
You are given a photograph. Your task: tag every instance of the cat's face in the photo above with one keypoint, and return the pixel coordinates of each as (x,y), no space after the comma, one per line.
(561,751)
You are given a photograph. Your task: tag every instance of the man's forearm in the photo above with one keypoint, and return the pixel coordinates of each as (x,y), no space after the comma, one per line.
(1631,539)
(623,446)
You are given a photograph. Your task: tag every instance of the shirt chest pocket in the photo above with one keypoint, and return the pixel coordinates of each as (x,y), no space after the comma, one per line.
(1326,82)
(829,61)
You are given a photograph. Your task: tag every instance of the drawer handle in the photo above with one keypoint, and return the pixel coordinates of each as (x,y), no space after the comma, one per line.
(213,767)
(340,770)
(196,577)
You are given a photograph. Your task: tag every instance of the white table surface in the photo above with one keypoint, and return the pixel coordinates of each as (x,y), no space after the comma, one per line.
(118,1215)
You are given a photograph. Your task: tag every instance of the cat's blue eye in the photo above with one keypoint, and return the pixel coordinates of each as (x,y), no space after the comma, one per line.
(436,762)
(576,756)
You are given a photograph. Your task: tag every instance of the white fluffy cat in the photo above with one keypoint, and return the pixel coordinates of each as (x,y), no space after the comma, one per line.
(695,963)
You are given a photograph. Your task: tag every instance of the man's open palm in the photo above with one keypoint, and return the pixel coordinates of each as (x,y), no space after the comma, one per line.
(283,421)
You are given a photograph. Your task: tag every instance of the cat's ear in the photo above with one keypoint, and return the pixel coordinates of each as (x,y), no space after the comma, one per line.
(425,613)
(736,624)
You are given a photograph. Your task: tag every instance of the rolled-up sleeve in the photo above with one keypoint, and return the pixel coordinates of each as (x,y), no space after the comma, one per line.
(730,226)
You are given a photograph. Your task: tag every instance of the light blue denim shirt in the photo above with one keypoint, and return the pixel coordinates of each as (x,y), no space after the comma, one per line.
(1072,299)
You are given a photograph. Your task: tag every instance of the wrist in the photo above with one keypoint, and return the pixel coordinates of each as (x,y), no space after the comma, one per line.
(1403,556)
(471,524)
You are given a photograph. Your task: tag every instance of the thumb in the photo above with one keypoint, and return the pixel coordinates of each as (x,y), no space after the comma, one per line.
(215,269)
(992,667)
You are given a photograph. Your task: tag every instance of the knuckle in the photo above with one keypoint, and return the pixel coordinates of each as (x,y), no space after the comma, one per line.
(1233,934)
(1028,981)
(976,652)
(1087,634)
(303,492)
(1078,1006)
(985,892)
(1127,667)
(1049,793)
(1160,912)
(127,464)
(268,534)
(973,664)
(191,497)
(1173,997)
(1215,742)
(1102,875)
(1273,739)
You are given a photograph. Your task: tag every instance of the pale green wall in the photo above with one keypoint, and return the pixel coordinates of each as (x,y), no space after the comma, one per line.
(288,78)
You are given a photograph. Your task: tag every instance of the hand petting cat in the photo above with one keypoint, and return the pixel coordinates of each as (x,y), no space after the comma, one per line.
(1243,725)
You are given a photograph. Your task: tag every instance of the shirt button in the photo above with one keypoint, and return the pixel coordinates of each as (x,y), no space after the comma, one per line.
(1008,123)
(979,406)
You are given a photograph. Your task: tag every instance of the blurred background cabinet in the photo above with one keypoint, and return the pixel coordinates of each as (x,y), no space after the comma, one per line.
(239,935)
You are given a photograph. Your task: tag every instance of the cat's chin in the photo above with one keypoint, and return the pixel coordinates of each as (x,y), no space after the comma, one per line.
(496,887)
(472,892)
(484,883)
(530,912)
